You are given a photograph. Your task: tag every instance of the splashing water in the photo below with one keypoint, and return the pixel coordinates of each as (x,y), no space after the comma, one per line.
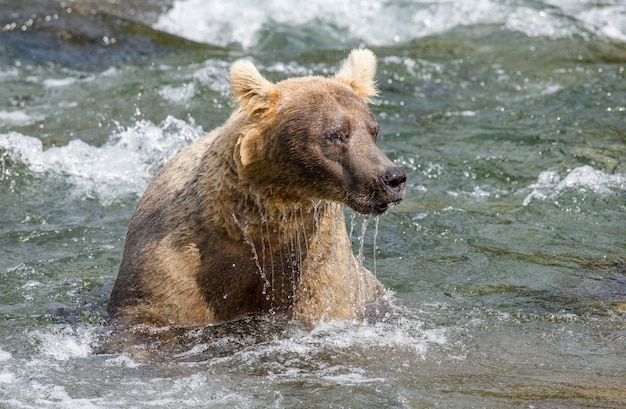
(244,21)
(551,186)
(123,166)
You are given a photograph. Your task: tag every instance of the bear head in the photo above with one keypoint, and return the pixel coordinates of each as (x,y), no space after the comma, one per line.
(314,138)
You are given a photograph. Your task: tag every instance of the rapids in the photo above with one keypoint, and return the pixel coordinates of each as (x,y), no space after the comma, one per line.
(506,262)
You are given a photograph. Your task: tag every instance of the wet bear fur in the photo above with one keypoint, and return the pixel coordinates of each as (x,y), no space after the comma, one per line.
(248,219)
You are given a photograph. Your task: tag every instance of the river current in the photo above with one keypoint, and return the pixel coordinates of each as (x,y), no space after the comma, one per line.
(505,264)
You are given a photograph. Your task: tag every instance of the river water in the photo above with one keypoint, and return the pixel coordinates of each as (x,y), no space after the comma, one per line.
(506,262)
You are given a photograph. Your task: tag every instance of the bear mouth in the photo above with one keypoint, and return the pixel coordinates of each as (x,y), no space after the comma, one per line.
(375,209)
(375,201)
(379,208)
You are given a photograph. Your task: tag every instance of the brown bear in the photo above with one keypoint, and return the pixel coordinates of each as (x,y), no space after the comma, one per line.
(248,219)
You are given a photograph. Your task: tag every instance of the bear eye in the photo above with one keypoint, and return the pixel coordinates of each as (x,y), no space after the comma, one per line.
(375,132)
(338,136)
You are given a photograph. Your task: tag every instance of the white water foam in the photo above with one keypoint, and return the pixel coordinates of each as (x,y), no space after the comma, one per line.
(211,74)
(36,394)
(6,376)
(4,355)
(9,73)
(123,166)
(478,193)
(61,82)
(178,94)
(17,118)
(407,333)
(604,19)
(63,342)
(386,22)
(550,185)
(539,23)
(402,332)
(376,22)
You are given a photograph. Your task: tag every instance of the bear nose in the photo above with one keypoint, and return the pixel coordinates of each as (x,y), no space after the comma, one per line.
(394,178)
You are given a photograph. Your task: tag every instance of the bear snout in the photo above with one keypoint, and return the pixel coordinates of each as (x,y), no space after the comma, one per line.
(392,184)
(394,179)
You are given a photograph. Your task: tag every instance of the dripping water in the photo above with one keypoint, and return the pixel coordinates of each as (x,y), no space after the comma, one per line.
(294,235)
(376,221)
(289,234)
(255,254)
(361,239)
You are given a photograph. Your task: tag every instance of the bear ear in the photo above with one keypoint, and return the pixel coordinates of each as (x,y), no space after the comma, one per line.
(249,147)
(358,72)
(250,90)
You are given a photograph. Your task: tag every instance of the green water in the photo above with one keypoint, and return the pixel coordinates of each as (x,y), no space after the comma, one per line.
(506,261)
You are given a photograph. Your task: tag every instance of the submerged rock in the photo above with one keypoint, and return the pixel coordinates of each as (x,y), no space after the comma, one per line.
(75,33)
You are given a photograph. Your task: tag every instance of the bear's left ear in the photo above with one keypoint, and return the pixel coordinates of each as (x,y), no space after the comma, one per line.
(250,90)
(358,72)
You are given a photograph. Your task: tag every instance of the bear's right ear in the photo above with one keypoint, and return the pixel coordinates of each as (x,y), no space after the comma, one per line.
(250,90)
